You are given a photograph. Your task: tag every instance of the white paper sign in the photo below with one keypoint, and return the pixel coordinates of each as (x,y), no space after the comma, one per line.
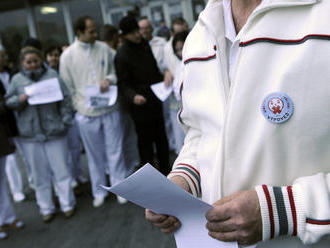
(96,99)
(150,189)
(161,91)
(43,92)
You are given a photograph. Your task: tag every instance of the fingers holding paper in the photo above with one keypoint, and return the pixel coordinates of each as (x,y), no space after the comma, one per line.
(104,85)
(167,224)
(23,98)
(236,218)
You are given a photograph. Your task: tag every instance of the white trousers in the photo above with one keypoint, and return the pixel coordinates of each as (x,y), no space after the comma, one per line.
(178,132)
(14,174)
(103,139)
(20,150)
(7,214)
(48,162)
(168,124)
(74,163)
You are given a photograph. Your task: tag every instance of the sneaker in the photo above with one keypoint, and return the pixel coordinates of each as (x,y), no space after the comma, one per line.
(74,184)
(82,179)
(121,200)
(48,217)
(69,214)
(3,234)
(98,202)
(18,197)
(17,224)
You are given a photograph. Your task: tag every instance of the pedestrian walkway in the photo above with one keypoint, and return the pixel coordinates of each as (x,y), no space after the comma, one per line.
(109,226)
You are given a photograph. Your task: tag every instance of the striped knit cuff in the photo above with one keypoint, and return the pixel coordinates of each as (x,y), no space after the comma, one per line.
(279,213)
(190,174)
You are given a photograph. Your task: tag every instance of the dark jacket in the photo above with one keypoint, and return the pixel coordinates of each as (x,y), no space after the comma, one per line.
(8,127)
(137,70)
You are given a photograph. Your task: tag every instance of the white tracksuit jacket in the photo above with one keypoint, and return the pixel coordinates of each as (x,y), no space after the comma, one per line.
(230,145)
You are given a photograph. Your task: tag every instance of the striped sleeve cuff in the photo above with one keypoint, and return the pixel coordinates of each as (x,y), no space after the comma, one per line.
(190,174)
(280,211)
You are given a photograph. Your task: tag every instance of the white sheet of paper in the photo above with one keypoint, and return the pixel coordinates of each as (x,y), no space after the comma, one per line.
(45,91)
(96,99)
(161,91)
(150,189)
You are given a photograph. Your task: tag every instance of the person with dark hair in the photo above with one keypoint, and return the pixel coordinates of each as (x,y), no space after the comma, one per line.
(53,54)
(8,130)
(89,63)
(164,31)
(32,42)
(110,35)
(43,136)
(137,70)
(157,45)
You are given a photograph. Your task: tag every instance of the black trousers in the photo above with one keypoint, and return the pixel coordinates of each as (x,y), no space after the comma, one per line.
(153,132)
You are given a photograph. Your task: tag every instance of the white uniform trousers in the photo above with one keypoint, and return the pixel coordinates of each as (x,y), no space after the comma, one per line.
(48,162)
(7,214)
(75,166)
(103,138)
(168,124)
(14,174)
(20,149)
(179,134)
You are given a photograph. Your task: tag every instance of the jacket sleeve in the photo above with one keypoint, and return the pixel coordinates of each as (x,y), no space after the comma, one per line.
(301,209)
(186,164)
(12,97)
(67,78)
(65,105)
(112,73)
(124,78)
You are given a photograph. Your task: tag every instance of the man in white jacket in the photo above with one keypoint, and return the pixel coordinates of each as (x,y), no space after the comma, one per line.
(256,111)
(85,63)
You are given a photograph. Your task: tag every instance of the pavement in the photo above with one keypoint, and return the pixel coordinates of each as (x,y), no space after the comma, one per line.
(112,225)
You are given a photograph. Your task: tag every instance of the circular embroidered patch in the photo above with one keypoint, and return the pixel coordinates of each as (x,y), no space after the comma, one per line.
(277,107)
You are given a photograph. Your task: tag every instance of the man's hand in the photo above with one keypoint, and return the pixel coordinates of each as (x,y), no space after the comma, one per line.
(139,100)
(168,78)
(23,98)
(236,218)
(167,224)
(104,85)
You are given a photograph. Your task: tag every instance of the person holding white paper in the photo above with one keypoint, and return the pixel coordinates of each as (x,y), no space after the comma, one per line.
(88,62)
(256,113)
(42,131)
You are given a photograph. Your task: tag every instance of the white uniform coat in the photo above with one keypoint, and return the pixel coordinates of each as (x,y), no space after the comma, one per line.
(230,146)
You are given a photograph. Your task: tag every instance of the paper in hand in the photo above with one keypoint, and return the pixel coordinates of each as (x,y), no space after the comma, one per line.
(150,189)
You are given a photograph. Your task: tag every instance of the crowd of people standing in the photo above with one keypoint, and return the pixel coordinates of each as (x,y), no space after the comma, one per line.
(136,129)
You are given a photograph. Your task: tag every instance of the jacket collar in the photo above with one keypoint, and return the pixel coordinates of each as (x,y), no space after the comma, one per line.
(212,15)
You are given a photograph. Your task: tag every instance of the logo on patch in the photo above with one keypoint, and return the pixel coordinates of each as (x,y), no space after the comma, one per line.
(277,107)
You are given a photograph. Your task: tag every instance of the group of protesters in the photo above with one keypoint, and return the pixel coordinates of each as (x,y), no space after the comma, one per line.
(117,138)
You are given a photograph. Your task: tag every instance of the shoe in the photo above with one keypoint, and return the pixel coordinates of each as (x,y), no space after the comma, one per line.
(17,224)
(98,202)
(3,234)
(69,214)
(74,184)
(121,200)
(82,179)
(18,197)
(48,217)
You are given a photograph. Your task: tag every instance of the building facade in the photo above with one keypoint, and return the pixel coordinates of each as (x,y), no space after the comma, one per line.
(51,21)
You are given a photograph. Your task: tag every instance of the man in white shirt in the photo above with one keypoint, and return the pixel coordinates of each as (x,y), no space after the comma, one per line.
(85,63)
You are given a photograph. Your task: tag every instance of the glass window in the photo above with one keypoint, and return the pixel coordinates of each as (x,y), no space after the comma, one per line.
(91,8)
(157,14)
(116,17)
(198,6)
(13,31)
(50,24)
(175,10)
